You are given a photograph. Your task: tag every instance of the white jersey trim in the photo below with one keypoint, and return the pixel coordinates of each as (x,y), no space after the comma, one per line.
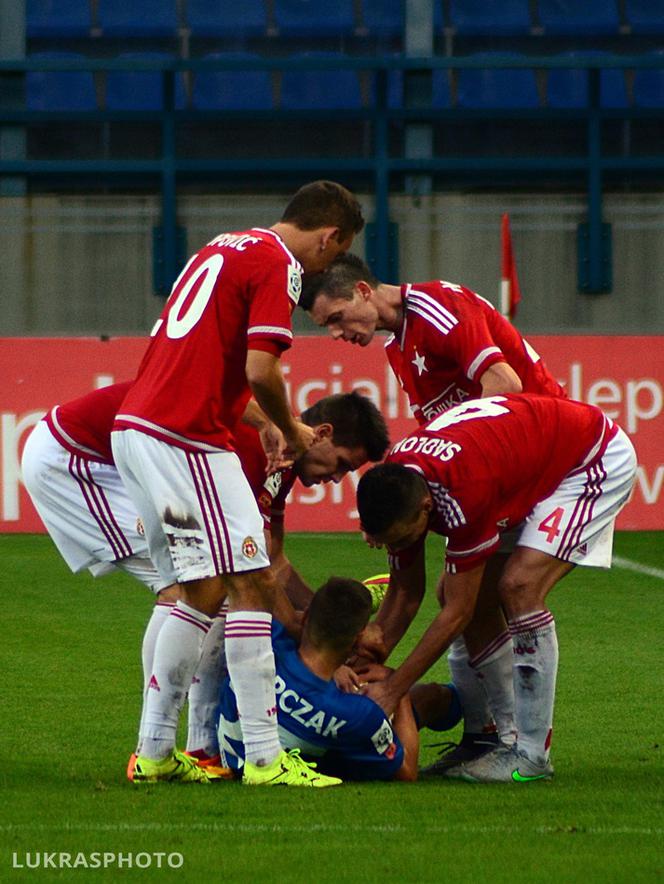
(148,425)
(479,359)
(281,243)
(270,330)
(68,439)
(475,549)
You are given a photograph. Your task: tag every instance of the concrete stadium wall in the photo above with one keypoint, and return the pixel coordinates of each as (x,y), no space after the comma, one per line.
(83,264)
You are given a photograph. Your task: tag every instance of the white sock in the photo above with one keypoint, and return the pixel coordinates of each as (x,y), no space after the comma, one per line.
(535,667)
(205,690)
(176,656)
(477,717)
(493,667)
(160,612)
(250,662)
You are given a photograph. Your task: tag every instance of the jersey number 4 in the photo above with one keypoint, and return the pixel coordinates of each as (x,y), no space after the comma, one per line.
(551,524)
(489,407)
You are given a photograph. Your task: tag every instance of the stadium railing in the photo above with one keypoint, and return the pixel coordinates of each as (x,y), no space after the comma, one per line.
(377,167)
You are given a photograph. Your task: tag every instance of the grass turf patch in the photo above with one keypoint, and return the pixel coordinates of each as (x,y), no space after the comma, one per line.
(72,680)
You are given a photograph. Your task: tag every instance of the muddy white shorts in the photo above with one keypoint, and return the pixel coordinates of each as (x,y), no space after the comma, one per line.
(576,522)
(87,511)
(200,514)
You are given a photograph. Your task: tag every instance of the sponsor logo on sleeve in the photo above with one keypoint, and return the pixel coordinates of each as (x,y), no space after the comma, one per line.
(383,740)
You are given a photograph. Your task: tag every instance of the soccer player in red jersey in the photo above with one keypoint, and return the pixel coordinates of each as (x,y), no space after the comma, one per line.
(447,345)
(558,472)
(216,344)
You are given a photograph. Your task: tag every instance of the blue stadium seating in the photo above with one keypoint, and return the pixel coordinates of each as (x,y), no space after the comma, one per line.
(241,89)
(384,18)
(218,18)
(440,90)
(317,90)
(311,18)
(57,18)
(141,90)
(575,17)
(568,87)
(137,18)
(60,90)
(479,17)
(645,16)
(497,87)
(648,89)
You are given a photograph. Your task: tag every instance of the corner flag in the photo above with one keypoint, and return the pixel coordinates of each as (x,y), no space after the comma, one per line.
(510,293)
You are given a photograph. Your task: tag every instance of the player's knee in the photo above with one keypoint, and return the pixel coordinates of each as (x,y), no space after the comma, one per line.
(515,587)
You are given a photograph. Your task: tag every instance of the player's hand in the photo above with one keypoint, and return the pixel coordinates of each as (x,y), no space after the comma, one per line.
(371,644)
(300,440)
(347,680)
(274,445)
(381,692)
(371,672)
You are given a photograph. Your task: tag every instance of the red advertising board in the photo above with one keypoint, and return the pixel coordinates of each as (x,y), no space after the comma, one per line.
(622,375)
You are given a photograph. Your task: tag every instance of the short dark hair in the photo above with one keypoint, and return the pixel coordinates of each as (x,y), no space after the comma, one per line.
(325,204)
(386,494)
(337,281)
(338,611)
(356,422)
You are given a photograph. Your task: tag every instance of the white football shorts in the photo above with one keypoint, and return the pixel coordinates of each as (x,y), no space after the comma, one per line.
(200,514)
(576,522)
(86,511)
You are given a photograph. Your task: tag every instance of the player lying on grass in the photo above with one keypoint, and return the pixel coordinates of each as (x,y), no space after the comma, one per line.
(343,735)
(447,345)
(69,472)
(558,472)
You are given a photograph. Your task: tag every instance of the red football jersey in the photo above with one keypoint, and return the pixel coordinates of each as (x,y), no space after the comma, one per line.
(236,293)
(489,461)
(83,426)
(450,336)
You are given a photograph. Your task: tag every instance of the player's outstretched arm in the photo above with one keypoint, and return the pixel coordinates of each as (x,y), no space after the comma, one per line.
(460,597)
(402,601)
(405,728)
(500,378)
(267,385)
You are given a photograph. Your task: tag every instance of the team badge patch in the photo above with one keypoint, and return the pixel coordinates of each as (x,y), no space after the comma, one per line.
(249,547)
(140,527)
(294,284)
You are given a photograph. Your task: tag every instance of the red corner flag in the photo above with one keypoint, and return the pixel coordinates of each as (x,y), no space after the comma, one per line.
(510,293)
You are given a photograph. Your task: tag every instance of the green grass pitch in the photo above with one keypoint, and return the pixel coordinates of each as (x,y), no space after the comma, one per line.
(71,686)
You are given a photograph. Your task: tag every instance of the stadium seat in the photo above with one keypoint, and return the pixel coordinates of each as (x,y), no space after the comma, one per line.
(573,17)
(60,90)
(383,18)
(568,87)
(214,18)
(141,90)
(477,17)
(57,18)
(318,89)
(234,89)
(648,89)
(645,16)
(137,18)
(311,18)
(496,87)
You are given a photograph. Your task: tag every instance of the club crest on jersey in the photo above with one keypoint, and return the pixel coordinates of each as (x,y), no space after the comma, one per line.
(140,527)
(249,547)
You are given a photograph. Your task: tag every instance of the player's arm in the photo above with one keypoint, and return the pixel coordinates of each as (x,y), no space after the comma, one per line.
(500,378)
(405,728)
(296,589)
(267,385)
(272,439)
(402,601)
(461,592)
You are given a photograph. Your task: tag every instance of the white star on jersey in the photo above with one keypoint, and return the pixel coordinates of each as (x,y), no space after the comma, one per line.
(418,362)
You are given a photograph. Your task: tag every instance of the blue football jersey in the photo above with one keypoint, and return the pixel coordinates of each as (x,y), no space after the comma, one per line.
(347,735)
